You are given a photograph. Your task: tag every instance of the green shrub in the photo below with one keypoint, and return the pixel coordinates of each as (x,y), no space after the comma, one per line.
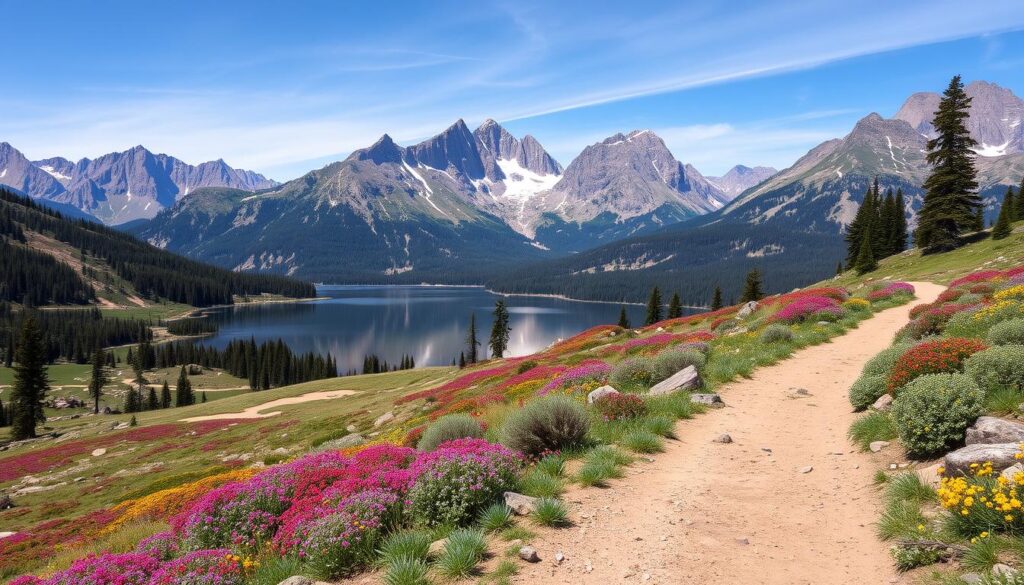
(776,333)
(464,549)
(883,362)
(540,484)
(448,428)
(548,424)
(551,512)
(496,517)
(1007,333)
(932,412)
(526,366)
(634,373)
(874,426)
(671,361)
(866,390)
(1001,366)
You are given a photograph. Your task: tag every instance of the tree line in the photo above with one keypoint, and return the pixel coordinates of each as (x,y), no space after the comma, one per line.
(879,230)
(154,273)
(69,334)
(374,364)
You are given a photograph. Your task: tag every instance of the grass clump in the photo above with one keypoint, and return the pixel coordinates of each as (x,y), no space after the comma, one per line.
(874,426)
(662,426)
(600,465)
(776,333)
(553,465)
(676,405)
(274,569)
(548,424)
(908,487)
(463,551)
(899,520)
(495,518)
(448,428)
(642,441)
(1003,400)
(540,484)
(408,544)
(406,571)
(551,512)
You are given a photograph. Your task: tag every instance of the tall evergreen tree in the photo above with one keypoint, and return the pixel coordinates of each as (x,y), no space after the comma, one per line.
(861,223)
(753,287)
(152,402)
(3,415)
(165,396)
(98,379)
(138,368)
(1003,228)
(183,393)
(866,261)
(132,401)
(1012,204)
(716,299)
(902,230)
(462,359)
(471,341)
(675,307)
(888,224)
(950,199)
(499,330)
(1019,215)
(839,268)
(978,225)
(30,382)
(653,307)
(623,318)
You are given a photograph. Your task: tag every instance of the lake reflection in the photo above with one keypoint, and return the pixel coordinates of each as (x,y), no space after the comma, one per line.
(428,322)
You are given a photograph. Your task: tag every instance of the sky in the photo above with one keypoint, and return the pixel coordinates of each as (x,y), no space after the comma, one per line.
(284,88)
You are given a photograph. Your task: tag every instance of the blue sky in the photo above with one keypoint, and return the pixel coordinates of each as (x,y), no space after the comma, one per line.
(283,88)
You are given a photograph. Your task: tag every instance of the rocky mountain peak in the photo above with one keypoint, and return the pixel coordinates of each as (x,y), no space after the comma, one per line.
(383,151)
(740,178)
(455,149)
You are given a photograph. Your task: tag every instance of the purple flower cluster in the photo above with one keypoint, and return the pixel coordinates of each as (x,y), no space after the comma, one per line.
(241,515)
(107,569)
(202,567)
(890,290)
(344,533)
(804,308)
(588,371)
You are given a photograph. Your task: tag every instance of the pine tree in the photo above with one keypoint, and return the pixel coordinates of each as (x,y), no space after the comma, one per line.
(623,318)
(839,268)
(471,341)
(1012,204)
(978,224)
(3,415)
(675,307)
(137,367)
(1003,228)
(1019,215)
(866,261)
(132,401)
(716,299)
(877,229)
(888,224)
(165,396)
(202,396)
(752,288)
(950,199)
(653,307)
(98,379)
(499,330)
(30,382)
(183,393)
(152,402)
(462,359)
(902,230)
(861,223)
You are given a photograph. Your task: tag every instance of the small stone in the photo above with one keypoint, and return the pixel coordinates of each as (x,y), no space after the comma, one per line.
(723,438)
(877,446)
(588,567)
(297,580)
(971,578)
(802,392)
(384,419)
(743,540)
(600,393)
(1001,570)
(351,428)
(712,400)
(521,505)
(529,554)
(646,576)
(883,403)
(806,469)
(437,547)
(559,557)
(99,452)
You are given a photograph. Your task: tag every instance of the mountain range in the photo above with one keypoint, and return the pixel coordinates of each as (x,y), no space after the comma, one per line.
(791,225)
(121,186)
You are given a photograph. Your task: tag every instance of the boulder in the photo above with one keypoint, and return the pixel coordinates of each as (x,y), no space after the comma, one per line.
(1002,570)
(883,403)
(297,580)
(989,430)
(521,505)
(930,475)
(600,393)
(1001,455)
(350,440)
(99,452)
(5,534)
(529,554)
(712,400)
(384,419)
(1012,470)
(747,309)
(685,379)
(194,369)
(877,446)
(5,502)
(437,548)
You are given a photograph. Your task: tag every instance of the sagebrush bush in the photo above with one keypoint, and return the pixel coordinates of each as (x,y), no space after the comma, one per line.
(1009,332)
(448,428)
(620,407)
(998,367)
(776,333)
(932,412)
(633,373)
(671,361)
(866,390)
(882,363)
(548,424)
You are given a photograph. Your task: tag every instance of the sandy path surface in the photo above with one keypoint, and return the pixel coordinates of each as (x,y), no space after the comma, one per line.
(258,410)
(705,512)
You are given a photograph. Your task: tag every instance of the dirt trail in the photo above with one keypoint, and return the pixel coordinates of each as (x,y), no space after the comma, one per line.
(705,512)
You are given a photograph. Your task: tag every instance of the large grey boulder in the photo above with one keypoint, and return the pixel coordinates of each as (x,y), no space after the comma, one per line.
(521,505)
(883,403)
(989,429)
(1001,455)
(685,379)
(600,393)
(747,310)
(1012,470)
(351,440)
(383,419)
